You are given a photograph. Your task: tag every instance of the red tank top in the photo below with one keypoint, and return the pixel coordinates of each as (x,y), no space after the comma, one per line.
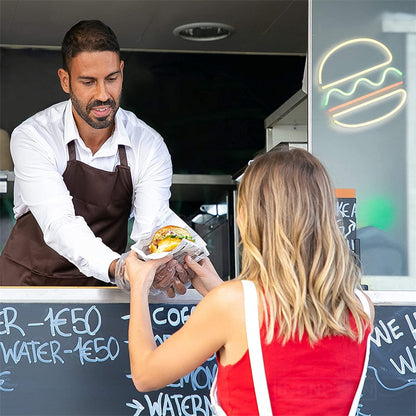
(302,380)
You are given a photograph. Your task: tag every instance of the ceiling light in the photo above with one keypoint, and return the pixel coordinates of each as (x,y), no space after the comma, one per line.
(203,31)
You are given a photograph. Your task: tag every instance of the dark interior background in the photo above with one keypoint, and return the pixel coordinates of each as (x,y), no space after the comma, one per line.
(210,108)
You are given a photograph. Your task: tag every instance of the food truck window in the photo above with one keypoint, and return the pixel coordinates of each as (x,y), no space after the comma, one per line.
(363,125)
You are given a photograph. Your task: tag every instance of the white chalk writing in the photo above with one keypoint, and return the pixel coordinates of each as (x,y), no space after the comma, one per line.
(171,316)
(410,324)
(65,323)
(387,333)
(411,365)
(4,381)
(97,349)
(346,209)
(77,324)
(9,316)
(174,405)
(201,378)
(62,336)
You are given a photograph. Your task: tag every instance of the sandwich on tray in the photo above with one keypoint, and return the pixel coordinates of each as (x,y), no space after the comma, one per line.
(168,238)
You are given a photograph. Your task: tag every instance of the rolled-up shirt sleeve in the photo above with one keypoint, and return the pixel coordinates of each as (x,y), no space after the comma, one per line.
(43,191)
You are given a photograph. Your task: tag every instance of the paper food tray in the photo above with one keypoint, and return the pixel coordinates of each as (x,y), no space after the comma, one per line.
(196,250)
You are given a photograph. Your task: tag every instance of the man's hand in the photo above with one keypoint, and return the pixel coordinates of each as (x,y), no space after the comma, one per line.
(165,276)
(171,278)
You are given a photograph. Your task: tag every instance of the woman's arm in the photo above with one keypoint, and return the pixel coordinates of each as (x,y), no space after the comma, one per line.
(205,332)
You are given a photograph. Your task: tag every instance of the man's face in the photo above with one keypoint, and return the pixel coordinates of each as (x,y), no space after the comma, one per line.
(94,83)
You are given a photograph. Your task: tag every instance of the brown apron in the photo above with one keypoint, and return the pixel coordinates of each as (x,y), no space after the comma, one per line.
(102,198)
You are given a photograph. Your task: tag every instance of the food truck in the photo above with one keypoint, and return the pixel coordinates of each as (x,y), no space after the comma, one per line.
(354,107)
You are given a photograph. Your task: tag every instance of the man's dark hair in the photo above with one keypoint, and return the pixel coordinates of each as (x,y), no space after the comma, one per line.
(88,36)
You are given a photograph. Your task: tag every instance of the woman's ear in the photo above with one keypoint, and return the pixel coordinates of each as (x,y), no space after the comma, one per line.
(64,78)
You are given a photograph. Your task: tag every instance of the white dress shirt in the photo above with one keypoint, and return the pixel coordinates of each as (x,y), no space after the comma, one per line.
(40,154)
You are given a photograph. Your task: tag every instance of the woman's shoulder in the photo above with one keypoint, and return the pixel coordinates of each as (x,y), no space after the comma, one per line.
(366,303)
(228,294)
(233,288)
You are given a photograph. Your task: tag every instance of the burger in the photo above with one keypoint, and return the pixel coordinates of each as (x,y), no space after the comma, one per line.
(167,238)
(359,84)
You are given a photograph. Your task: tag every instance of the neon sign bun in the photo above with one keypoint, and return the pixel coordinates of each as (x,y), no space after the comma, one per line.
(360,86)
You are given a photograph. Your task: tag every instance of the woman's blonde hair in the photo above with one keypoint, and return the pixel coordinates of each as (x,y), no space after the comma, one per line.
(294,250)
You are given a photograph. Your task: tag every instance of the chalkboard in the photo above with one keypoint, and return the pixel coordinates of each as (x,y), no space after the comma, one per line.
(72,359)
(346,210)
(390,386)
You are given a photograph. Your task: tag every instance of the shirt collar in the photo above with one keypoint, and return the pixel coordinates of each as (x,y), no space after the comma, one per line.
(118,137)
(70,128)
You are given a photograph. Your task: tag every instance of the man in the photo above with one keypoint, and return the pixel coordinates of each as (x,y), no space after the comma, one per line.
(81,168)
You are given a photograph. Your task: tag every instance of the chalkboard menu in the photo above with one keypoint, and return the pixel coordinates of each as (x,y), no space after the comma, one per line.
(390,386)
(72,360)
(346,211)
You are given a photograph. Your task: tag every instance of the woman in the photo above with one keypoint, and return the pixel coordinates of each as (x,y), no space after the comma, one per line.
(313,326)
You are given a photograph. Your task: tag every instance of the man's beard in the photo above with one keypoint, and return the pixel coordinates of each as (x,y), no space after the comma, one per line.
(99,122)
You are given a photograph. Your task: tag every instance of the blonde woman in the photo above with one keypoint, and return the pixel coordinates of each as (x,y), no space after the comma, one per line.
(313,325)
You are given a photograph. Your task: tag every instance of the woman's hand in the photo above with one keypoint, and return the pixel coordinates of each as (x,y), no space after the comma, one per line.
(141,273)
(205,277)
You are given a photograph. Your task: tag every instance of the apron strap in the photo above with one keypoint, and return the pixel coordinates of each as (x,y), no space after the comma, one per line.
(122,155)
(71,150)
